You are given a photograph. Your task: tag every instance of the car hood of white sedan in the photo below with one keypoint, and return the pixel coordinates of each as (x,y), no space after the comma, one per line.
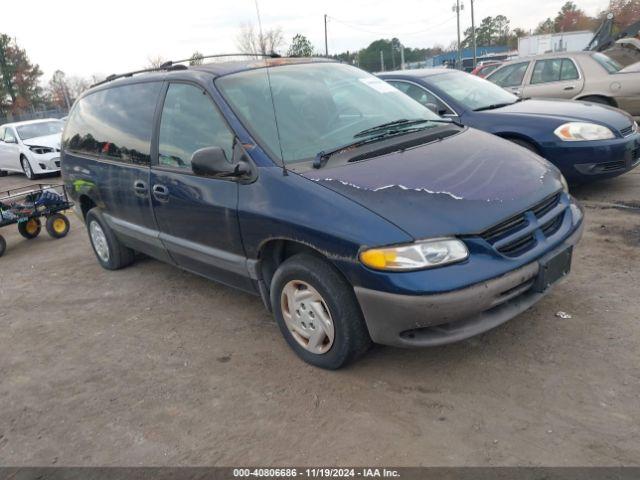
(51,141)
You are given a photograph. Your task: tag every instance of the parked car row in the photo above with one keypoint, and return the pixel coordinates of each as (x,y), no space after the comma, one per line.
(356,213)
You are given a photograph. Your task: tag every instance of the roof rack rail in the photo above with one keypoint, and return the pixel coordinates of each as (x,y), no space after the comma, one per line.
(176,65)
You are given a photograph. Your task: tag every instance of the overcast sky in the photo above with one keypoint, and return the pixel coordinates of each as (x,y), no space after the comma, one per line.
(83,38)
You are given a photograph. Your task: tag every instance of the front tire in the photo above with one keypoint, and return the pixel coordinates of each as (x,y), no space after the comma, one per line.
(57,225)
(26,168)
(598,100)
(317,312)
(110,252)
(3,245)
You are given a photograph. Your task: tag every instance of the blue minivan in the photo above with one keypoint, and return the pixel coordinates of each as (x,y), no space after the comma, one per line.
(354,212)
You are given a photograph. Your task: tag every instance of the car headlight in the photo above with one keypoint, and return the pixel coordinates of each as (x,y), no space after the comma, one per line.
(41,150)
(581,131)
(419,255)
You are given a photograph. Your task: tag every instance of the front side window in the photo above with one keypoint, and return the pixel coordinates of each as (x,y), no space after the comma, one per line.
(315,106)
(554,70)
(190,121)
(606,62)
(422,96)
(471,91)
(114,124)
(40,129)
(484,71)
(509,75)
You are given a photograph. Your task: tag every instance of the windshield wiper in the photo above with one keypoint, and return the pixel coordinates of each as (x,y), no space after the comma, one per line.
(322,157)
(402,123)
(498,105)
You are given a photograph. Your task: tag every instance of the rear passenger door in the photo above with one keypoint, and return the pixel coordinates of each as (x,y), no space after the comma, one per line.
(196,216)
(555,78)
(110,136)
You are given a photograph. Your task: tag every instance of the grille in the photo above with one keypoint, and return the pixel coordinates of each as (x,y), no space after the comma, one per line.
(627,131)
(611,166)
(512,242)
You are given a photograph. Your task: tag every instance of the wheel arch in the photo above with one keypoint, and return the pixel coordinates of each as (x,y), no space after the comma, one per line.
(520,136)
(86,203)
(585,98)
(275,251)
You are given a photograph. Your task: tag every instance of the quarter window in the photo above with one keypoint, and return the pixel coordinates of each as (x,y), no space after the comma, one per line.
(509,75)
(115,124)
(554,70)
(9,136)
(190,121)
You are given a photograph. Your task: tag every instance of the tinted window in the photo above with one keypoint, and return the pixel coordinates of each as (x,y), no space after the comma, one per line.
(190,121)
(510,75)
(114,124)
(422,96)
(554,70)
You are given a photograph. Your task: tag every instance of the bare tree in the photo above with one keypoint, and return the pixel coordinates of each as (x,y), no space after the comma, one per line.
(250,41)
(155,62)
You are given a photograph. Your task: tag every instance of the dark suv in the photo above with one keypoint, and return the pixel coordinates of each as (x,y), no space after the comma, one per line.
(357,214)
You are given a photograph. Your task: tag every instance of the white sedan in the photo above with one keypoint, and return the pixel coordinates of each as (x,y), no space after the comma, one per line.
(31,147)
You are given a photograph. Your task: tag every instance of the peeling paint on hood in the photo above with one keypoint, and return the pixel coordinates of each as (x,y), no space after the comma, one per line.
(463,184)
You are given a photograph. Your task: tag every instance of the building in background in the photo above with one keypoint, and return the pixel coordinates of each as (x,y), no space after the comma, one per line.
(555,42)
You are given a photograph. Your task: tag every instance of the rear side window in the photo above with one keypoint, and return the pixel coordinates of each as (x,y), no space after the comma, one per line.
(190,121)
(510,75)
(114,124)
(554,70)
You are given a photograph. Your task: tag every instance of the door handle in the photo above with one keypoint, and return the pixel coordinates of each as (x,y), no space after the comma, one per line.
(161,193)
(570,87)
(140,188)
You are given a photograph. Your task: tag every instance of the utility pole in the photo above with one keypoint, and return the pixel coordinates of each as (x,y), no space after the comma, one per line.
(473,35)
(456,8)
(381,61)
(326,44)
(401,57)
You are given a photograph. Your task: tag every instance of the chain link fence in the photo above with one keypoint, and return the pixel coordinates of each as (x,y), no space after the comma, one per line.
(33,115)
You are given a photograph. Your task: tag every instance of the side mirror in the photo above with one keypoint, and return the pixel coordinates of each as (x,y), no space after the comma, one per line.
(212,162)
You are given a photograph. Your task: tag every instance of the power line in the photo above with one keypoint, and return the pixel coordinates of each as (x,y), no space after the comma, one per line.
(424,30)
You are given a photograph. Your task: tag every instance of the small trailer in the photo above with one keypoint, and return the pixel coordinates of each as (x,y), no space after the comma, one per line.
(25,206)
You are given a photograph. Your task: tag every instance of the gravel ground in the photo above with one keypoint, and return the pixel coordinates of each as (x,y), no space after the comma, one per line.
(154,366)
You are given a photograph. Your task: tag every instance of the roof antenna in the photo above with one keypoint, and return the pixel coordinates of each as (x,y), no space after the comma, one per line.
(273,103)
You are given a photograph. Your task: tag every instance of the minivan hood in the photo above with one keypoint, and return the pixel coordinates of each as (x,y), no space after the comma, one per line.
(51,141)
(567,111)
(461,185)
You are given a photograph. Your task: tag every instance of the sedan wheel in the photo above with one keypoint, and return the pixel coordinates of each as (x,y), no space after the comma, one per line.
(26,168)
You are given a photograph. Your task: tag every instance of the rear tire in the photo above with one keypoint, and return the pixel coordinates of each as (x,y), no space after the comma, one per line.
(26,168)
(57,225)
(110,252)
(305,284)
(598,100)
(3,173)
(30,229)
(3,245)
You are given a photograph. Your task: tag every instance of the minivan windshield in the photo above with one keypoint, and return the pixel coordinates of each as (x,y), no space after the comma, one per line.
(470,91)
(40,129)
(318,107)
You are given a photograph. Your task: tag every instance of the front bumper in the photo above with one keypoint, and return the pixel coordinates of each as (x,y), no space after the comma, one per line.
(586,161)
(47,163)
(430,320)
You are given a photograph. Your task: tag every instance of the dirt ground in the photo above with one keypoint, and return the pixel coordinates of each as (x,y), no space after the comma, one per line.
(154,366)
